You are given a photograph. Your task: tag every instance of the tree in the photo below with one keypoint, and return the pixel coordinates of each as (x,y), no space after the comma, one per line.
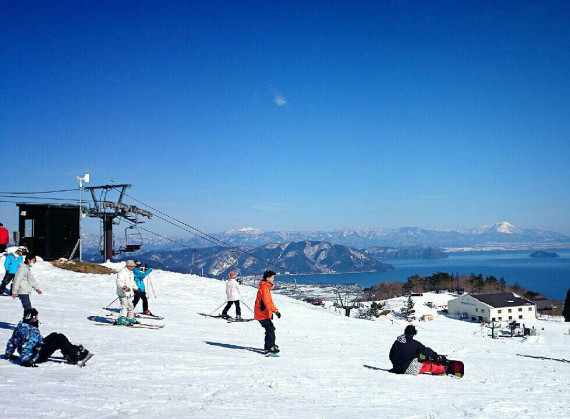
(375,309)
(409,307)
(502,284)
(566,312)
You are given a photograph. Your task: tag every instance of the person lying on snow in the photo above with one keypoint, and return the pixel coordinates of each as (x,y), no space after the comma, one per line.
(409,356)
(34,349)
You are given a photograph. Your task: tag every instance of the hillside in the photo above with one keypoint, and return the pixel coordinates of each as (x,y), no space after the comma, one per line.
(331,366)
(300,257)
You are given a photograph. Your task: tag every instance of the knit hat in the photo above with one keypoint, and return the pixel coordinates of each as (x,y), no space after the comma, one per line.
(138,263)
(130,263)
(410,331)
(232,274)
(29,314)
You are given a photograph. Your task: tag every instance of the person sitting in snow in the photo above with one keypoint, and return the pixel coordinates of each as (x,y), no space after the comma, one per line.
(11,265)
(233,294)
(33,349)
(409,356)
(264,309)
(140,272)
(126,287)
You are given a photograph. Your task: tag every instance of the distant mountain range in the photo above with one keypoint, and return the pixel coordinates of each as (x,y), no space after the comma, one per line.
(499,235)
(306,257)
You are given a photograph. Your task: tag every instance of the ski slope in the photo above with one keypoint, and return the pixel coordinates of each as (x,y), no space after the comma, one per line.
(331,366)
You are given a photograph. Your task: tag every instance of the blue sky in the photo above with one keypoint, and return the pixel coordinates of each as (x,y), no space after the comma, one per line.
(295,115)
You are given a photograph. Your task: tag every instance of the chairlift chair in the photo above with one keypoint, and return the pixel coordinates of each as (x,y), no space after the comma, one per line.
(133,240)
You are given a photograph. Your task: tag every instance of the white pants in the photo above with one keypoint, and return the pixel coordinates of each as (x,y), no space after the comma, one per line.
(127,307)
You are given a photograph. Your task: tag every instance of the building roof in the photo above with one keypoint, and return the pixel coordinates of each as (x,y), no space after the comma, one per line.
(503,299)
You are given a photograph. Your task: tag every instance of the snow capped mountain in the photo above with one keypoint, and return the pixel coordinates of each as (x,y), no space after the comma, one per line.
(499,235)
(245,230)
(504,228)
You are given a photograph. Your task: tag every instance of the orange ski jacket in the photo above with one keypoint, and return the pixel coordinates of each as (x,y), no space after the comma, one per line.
(264,307)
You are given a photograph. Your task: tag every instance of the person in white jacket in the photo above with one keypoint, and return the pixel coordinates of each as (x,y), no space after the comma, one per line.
(24,282)
(126,287)
(234,296)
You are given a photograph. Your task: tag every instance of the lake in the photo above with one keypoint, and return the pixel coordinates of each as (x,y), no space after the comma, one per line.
(549,276)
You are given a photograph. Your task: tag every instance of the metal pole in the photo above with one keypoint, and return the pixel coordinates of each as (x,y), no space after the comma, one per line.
(80,241)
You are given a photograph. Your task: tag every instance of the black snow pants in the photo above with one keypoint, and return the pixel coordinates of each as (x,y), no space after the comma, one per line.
(7,278)
(141,295)
(52,343)
(228,305)
(267,324)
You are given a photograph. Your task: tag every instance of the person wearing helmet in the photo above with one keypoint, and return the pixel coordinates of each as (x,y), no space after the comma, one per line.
(33,349)
(233,294)
(11,264)
(408,356)
(140,272)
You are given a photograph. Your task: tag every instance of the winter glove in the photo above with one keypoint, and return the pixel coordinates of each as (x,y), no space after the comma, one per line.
(278,314)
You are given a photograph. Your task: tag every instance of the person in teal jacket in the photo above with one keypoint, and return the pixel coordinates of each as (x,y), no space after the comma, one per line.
(11,265)
(140,273)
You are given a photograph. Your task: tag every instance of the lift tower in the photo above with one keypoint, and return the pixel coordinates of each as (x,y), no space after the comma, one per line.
(107,211)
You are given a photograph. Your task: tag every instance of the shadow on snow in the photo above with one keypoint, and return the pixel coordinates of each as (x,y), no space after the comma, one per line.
(230,346)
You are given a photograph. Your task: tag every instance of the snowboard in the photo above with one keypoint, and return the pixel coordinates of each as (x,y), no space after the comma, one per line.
(271,355)
(84,360)
(456,368)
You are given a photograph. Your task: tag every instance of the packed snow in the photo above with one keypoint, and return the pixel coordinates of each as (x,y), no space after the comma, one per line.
(330,365)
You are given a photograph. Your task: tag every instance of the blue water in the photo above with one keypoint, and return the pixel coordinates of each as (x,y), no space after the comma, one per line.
(550,277)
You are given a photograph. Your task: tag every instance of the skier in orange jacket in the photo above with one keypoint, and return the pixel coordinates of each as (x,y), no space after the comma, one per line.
(264,309)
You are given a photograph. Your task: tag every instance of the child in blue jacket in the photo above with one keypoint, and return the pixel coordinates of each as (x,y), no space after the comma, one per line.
(11,265)
(140,274)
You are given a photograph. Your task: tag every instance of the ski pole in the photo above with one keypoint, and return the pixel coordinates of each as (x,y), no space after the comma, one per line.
(247,307)
(152,287)
(217,308)
(111,303)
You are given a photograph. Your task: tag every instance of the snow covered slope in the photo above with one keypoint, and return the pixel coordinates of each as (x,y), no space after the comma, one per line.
(331,366)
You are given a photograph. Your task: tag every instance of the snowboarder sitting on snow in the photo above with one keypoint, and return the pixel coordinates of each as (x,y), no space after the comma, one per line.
(140,274)
(409,356)
(125,291)
(264,309)
(233,294)
(34,349)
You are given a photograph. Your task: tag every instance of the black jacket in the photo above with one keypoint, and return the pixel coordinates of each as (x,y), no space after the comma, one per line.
(404,350)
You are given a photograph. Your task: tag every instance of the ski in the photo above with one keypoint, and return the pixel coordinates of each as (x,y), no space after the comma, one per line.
(271,355)
(134,326)
(84,360)
(147,316)
(231,320)
(141,315)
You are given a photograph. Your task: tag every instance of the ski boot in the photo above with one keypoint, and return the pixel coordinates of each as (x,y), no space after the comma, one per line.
(225,316)
(132,321)
(274,350)
(148,313)
(238,319)
(122,321)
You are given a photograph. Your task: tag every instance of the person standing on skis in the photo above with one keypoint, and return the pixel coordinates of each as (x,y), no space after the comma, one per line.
(408,356)
(264,309)
(126,287)
(234,296)
(24,282)
(33,349)
(11,265)
(140,274)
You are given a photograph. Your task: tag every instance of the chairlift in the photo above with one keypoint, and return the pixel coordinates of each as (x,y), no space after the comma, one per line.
(133,240)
